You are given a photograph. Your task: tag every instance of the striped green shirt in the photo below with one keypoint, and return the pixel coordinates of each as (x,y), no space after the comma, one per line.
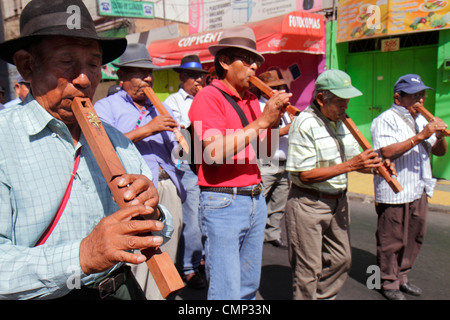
(311,146)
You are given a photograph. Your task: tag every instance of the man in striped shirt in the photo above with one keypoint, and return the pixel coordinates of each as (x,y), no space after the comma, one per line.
(404,136)
(321,153)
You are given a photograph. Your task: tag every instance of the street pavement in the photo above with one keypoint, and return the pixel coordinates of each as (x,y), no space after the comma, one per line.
(361,185)
(276,275)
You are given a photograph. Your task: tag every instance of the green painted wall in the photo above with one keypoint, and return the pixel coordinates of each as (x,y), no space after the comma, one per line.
(375,72)
(165,82)
(336,52)
(441,165)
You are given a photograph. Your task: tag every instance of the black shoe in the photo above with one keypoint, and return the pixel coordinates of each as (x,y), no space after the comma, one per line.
(392,294)
(278,243)
(194,280)
(410,289)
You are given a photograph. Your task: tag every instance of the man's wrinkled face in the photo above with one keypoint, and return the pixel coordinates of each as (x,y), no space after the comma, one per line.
(134,80)
(333,107)
(62,68)
(192,81)
(410,101)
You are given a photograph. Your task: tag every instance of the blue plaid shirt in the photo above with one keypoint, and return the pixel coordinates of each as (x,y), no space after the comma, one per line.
(36,161)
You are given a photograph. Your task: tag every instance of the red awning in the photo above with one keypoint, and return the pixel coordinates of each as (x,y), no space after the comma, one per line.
(293,32)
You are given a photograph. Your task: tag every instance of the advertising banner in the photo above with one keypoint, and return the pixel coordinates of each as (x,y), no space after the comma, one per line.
(361,19)
(293,32)
(126,8)
(221,14)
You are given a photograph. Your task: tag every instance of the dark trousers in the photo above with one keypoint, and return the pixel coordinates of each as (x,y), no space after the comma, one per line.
(129,290)
(400,234)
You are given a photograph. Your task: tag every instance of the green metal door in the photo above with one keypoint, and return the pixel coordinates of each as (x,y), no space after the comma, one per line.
(375,73)
(360,68)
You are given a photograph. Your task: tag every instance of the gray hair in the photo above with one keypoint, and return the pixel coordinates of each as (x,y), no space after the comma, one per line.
(327,94)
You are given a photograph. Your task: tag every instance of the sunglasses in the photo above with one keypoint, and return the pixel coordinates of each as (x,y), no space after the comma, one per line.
(248,60)
(194,75)
(415,96)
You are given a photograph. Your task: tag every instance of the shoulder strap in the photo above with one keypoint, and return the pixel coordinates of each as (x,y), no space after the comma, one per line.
(241,114)
(314,109)
(236,107)
(64,201)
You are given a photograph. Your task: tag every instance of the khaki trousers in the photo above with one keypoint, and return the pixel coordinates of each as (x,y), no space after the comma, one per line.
(168,196)
(319,244)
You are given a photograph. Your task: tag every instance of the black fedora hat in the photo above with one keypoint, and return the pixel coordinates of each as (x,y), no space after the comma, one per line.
(59,18)
(136,55)
(190,63)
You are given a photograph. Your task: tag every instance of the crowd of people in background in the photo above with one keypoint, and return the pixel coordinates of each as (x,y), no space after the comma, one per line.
(212,216)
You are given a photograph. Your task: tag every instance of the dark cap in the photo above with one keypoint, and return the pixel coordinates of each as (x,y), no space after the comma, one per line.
(190,63)
(410,83)
(136,55)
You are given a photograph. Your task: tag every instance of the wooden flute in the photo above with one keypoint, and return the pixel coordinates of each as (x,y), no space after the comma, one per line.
(160,264)
(268,91)
(429,116)
(393,183)
(163,111)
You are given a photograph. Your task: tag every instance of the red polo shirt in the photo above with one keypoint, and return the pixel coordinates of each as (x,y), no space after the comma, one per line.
(211,114)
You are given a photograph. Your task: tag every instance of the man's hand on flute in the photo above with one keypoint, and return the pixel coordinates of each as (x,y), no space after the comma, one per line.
(122,231)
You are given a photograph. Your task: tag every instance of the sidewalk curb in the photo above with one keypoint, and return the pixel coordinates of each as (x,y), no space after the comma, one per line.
(365,198)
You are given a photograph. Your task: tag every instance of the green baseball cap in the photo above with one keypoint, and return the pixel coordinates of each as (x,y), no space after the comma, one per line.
(337,82)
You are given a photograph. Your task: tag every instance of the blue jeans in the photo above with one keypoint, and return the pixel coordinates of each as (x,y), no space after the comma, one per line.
(233,227)
(191,247)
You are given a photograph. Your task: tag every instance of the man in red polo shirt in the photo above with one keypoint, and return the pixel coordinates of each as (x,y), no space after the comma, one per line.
(232,208)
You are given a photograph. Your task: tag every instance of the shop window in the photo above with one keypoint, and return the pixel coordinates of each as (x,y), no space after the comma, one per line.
(407,40)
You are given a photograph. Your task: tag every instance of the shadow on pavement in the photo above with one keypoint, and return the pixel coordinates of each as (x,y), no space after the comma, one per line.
(276,282)
(361,260)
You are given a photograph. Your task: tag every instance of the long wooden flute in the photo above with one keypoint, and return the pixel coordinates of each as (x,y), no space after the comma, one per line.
(163,111)
(268,91)
(160,264)
(429,116)
(393,183)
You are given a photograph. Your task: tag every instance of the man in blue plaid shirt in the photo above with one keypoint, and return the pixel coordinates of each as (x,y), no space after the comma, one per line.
(39,142)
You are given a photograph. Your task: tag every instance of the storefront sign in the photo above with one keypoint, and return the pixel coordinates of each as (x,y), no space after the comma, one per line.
(207,15)
(293,32)
(390,45)
(124,8)
(360,19)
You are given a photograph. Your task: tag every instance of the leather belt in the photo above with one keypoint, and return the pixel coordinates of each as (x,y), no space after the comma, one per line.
(111,283)
(254,192)
(321,194)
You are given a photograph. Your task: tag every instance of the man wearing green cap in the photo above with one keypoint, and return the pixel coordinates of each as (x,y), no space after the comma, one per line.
(321,153)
